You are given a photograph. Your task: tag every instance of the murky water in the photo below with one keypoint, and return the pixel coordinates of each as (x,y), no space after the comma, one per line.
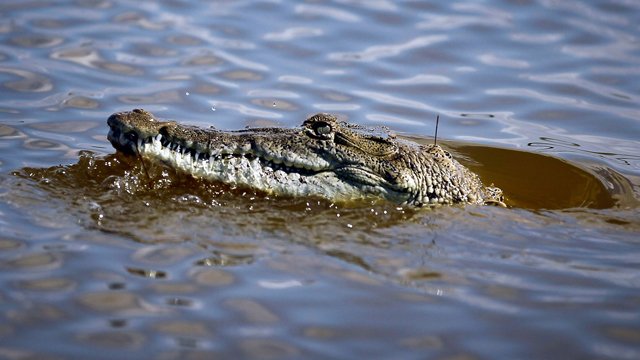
(539,97)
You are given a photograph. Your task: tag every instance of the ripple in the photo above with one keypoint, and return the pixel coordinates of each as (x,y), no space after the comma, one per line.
(184,40)
(245,110)
(424,342)
(36,41)
(95,4)
(275,104)
(575,79)
(66,127)
(293,33)
(147,273)
(377,52)
(252,311)
(81,55)
(396,101)
(326,11)
(154,50)
(38,314)
(55,24)
(81,102)
(36,261)
(293,79)
(48,284)
(183,328)
(203,60)
(174,288)
(336,96)
(420,79)
(381,5)
(9,244)
(486,17)
(213,277)
(494,60)
(91,58)
(242,75)
(587,11)
(220,258)
(536,38)
(109,301)
(163,97)
(116,340)
(164,255)
(565,100)
(279,285)
(42,144)
(30,82)
(8,132)
(139,19)
(391,120)
(328,107)
(273,93)
(268,349)
(119,68)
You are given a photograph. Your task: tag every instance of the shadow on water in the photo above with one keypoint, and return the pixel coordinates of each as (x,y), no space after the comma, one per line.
(535,181)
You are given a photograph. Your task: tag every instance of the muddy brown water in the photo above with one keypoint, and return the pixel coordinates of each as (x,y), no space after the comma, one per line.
(538,97)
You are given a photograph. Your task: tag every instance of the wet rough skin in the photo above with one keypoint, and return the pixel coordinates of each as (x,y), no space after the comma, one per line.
(323,157)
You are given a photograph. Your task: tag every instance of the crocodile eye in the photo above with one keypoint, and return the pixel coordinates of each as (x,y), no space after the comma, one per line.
(322,130)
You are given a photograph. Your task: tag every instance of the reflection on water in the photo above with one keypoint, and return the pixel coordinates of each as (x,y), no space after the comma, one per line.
(539,97)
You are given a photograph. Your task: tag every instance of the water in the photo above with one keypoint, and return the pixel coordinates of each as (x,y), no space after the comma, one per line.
(539,97)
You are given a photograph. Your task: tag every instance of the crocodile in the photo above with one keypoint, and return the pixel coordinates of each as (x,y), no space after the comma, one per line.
(323,157)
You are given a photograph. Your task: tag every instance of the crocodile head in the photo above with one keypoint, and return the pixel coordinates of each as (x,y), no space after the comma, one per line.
(323,157)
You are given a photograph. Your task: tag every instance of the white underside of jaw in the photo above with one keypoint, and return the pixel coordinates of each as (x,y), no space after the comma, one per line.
(245,172)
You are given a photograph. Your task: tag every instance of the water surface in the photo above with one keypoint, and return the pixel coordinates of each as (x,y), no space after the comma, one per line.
(538,97)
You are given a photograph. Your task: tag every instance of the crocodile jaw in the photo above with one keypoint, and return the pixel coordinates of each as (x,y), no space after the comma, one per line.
(246,169)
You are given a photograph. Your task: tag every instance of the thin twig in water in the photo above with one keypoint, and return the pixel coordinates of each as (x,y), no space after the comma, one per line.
(435,138)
